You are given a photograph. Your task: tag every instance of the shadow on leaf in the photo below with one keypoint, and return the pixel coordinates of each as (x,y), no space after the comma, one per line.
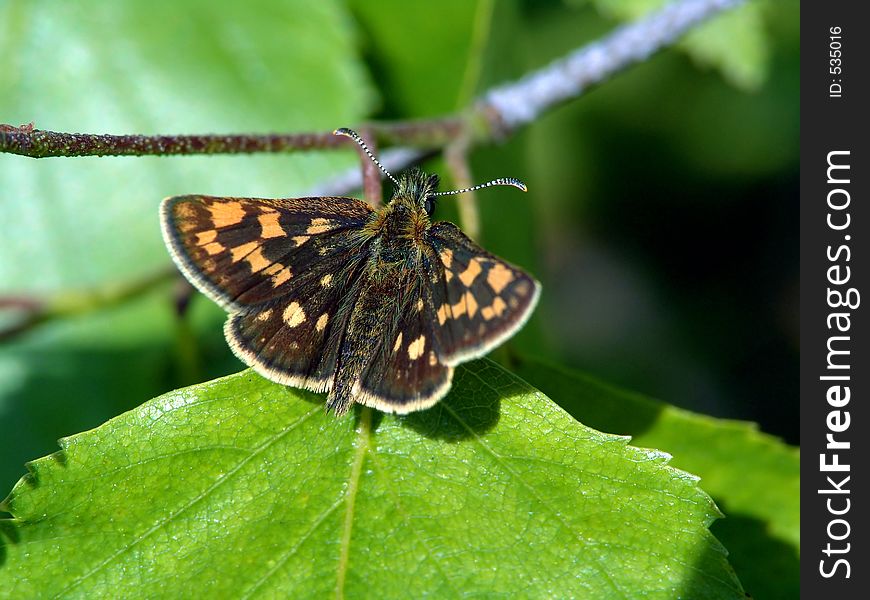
(768,567)
(592,402)
(8,535)
(470,409)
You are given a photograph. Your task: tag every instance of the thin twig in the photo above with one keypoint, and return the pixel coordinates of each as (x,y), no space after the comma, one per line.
(371,174)
(38,143)
(456,157)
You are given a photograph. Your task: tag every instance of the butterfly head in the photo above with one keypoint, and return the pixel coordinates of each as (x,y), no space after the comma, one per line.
(416,190)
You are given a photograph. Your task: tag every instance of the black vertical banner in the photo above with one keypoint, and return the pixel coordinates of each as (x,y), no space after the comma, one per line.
(835,299)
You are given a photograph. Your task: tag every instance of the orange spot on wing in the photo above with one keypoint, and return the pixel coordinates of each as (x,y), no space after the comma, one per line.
(240,252)
(205,237)
(293,315)
(225,214)
(447,257)
(495,310)
(270,226)
(471,304)
(257,261)
(415,348)
(498,277)
(281,276)
(498,306)
(473,270)
(213,248)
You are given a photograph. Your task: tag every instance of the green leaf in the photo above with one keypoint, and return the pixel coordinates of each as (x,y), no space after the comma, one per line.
(76,372)
(736,44)
(240,486)
(754,477)
(425,56)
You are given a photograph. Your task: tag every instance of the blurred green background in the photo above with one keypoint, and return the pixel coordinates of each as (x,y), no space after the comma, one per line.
(661,218)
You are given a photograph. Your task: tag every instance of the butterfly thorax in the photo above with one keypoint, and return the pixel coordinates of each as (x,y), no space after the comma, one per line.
(398,230)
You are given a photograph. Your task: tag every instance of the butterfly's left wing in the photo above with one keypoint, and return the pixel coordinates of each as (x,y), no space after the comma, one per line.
(479,299)
(405,372)
(295,340)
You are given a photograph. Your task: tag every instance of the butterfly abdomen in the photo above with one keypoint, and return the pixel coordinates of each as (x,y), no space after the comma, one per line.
(367,327)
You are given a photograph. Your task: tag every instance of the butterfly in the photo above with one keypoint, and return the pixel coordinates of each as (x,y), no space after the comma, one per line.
(326,293)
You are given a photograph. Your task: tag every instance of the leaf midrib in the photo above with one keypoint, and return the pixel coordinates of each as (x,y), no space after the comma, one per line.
(364,432)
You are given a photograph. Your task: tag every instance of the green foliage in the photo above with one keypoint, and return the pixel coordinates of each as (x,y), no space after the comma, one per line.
(158,67)
(425,61)
(240,485)
(753,477)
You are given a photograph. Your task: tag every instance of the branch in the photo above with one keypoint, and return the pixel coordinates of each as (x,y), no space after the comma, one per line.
(497,114)
(37,143)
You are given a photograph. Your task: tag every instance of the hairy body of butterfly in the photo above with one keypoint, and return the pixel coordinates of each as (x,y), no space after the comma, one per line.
(372,306)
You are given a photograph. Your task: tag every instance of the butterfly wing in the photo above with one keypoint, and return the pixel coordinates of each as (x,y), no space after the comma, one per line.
(243,252)
(287,270)
(479,300)
(405,373)
(295,340)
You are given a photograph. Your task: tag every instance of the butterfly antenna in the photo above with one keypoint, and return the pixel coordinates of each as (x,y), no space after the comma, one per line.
(355,137)
(500,181)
